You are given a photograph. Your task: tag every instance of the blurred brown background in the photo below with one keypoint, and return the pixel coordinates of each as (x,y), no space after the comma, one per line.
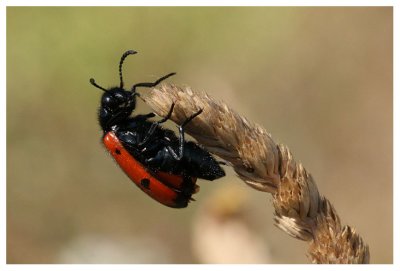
(318,79)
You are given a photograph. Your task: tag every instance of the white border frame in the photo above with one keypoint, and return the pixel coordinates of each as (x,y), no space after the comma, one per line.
(396,131)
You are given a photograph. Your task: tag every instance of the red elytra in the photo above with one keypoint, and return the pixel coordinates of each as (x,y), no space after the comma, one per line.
(161,186)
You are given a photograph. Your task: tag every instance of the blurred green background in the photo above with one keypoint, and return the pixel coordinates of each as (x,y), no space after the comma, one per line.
(318,79)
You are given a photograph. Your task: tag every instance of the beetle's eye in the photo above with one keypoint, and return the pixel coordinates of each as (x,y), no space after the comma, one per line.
(115,100)
(108,101)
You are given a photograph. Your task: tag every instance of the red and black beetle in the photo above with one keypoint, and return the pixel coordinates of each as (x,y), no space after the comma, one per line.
(164,166)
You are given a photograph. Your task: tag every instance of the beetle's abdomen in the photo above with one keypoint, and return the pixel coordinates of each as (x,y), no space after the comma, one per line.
(171,190)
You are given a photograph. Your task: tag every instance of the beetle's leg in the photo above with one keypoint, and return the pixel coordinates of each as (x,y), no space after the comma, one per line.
(147,116)
(179,156)
(155,124)
(168,116)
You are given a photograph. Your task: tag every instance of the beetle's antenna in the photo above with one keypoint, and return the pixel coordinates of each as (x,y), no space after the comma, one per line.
(96,85)
(150,85)
(127,53)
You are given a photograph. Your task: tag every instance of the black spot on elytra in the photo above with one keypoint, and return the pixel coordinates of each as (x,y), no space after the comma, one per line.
(117,151)
(145,183)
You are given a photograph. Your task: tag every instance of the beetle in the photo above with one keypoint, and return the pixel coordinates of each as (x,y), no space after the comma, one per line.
(163,165)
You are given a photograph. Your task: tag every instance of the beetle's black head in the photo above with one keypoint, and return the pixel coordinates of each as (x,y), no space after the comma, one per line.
(117,103)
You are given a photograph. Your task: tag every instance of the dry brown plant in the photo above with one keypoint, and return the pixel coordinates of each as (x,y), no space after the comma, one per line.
(266,166)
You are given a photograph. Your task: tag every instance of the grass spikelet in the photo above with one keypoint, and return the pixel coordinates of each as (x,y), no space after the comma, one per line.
(266,166)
